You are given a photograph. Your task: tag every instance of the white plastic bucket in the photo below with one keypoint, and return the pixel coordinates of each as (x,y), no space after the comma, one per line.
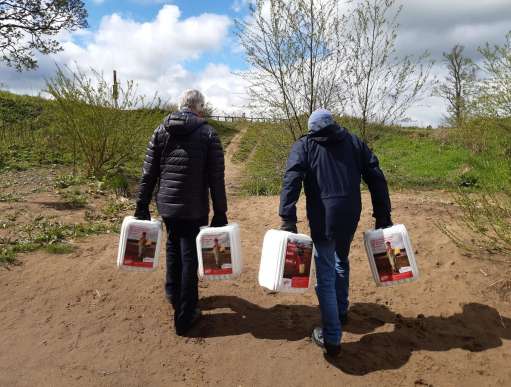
(391,256)
(139,244)
(219,252)
(286,262)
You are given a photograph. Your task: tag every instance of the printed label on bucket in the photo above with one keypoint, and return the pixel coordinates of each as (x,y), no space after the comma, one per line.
(216,254)
(140,246)
(391,260)
(297,264)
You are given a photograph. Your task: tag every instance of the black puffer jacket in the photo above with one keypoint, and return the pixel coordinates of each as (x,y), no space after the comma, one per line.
(186,158)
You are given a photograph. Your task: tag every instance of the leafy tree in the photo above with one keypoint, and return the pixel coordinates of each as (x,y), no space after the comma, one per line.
(27,26)
(495,89)
(485,222)
(381,86)
(458,87)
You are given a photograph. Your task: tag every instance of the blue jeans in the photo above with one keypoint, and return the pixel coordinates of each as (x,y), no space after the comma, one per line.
(333,281)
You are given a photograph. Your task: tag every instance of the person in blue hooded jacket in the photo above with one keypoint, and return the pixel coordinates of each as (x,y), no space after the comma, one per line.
(330,162)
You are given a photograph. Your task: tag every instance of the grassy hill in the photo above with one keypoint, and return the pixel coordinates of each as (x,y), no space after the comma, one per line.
(412,158)
(31,133)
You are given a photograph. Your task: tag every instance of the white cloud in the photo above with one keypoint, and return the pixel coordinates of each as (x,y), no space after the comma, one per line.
(142,51)
(154,54)
(157,54)
(98,2)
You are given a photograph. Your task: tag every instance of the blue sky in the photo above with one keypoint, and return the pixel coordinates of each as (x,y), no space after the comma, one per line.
(147,10)
(169,46)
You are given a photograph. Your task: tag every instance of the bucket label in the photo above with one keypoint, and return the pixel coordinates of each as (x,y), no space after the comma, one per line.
(391,259)
(297,265)
(216,254)
(140,246)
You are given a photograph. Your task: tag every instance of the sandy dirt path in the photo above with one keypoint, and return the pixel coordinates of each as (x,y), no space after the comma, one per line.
(75,320)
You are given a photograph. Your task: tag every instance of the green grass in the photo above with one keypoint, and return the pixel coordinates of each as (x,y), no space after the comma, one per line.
(7,256)
(411,158)
(51,235)
(31,136)
(226,131)
(60,248)
(420,162)
(9,197)
(248,143)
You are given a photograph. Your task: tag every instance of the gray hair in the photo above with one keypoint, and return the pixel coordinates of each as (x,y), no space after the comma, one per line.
(192,99)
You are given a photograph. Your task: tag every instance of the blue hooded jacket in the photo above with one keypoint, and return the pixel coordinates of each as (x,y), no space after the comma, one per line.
(330,162)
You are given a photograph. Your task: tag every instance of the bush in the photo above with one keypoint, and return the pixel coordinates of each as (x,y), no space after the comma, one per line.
(65,181)
(104,132)
(74,199)
(117,182)
(485,222)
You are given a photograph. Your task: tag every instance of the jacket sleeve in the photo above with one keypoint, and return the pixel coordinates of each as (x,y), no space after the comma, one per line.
(292,183)
(150,170)
(376,182)
(216,173)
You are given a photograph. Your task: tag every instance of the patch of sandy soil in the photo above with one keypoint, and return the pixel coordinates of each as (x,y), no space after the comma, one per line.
(75,320)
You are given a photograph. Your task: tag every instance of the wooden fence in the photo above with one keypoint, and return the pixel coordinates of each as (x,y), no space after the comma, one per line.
(244,118)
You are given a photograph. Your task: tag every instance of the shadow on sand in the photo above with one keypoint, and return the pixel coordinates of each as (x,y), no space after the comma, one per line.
(477,328)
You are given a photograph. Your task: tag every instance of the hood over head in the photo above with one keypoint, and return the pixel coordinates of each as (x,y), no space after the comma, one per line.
(183,122)
(329,134)
(323,128)
(319,119)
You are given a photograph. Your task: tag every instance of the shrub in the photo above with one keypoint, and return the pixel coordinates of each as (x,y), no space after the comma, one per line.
(65,181)
(103,131)
(117,182)
(484,225)
(74,198)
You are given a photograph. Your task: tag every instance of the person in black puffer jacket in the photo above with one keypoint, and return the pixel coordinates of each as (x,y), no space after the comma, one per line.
(185,160)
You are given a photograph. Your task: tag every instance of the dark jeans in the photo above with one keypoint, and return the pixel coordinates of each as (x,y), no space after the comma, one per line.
(181,282)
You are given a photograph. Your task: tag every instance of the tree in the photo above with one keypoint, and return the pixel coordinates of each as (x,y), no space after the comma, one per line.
(292,48)
(31,25)
(104,133)
(381,86)
(495,89)
(458,86)
(485,222)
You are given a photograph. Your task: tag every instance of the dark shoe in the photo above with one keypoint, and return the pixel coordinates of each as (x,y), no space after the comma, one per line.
(197,314)
(181,331)
(331,349)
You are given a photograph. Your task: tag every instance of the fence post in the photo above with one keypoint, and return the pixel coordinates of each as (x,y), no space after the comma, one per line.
(115,90)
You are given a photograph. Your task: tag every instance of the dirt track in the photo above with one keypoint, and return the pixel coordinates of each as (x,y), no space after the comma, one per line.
(74,320)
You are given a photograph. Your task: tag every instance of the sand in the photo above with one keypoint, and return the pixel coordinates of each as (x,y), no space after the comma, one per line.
(75,320)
